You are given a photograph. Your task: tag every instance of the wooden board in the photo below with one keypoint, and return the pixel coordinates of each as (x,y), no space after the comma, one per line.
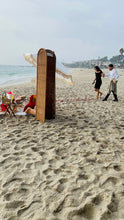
(41,85)
(45,101)
(50,86)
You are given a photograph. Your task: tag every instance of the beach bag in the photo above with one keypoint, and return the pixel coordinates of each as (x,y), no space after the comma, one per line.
(3,108)
(3,98)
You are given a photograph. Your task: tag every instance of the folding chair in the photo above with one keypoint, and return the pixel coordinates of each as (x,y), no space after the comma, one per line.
(8,105)
(11,105)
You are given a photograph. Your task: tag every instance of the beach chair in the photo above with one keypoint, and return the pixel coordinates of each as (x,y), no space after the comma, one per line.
(11,105)
(8,106)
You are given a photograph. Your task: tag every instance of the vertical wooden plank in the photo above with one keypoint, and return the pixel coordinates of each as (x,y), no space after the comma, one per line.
(50,86)
(41,85)
(46,98)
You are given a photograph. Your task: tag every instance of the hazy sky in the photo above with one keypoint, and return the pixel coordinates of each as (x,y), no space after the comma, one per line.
(74,29)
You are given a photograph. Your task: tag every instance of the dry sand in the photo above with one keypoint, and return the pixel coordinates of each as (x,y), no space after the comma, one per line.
(69,168)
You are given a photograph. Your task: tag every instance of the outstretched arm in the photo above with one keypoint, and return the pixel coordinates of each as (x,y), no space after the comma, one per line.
(103,74)
(108,74)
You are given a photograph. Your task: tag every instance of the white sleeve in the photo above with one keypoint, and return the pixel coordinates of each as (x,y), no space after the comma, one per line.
(108,74)
(115,74)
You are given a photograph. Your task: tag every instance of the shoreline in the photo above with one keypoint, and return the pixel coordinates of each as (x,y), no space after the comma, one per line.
(16,83)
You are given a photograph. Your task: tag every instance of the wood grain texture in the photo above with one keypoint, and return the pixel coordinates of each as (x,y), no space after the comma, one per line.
(45,102)
(41,85)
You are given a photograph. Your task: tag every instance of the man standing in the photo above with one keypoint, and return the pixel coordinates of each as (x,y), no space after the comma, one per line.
(113,74)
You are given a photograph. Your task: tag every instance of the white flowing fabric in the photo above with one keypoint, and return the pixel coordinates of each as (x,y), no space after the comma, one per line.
(61,72)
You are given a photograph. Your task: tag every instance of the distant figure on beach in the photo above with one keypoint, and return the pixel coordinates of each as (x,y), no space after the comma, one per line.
(113,74)
(98,81)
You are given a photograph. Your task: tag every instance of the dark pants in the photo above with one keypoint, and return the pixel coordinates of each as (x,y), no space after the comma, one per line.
(113,89)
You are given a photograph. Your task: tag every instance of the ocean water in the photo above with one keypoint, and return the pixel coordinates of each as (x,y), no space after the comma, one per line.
(12,75)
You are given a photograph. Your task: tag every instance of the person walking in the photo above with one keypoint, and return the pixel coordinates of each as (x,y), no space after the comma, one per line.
(98,81)
(113,74)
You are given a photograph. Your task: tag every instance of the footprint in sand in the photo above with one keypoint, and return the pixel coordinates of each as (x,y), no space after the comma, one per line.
(109,180)
(87,212)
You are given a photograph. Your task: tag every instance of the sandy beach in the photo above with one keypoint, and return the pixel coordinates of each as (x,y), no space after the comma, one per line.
(70,168)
